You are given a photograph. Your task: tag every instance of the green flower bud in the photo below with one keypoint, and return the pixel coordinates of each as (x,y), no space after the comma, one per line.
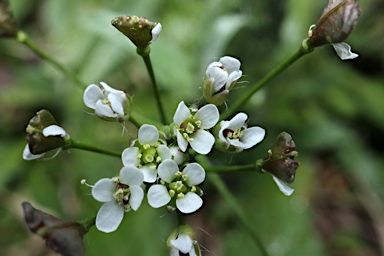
(40,136)
(139,30)
(64,237)
(280,160)
(336,23)
(8,27)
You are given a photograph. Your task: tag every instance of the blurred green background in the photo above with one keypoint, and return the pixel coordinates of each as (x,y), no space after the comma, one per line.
(333,109)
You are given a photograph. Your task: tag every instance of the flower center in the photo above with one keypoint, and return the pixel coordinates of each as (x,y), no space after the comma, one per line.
(105,101)
(148,155)
(122,195)
(189,127)
(233,134)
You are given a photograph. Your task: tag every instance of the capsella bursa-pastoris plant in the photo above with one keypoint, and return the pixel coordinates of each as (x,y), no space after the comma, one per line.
(167,164)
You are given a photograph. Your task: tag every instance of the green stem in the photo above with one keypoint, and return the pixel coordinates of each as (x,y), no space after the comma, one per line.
(224,169)
(87,223)
(134,121)
(217,182)
(148,64)
(243,98)
(24,39)
(75,144)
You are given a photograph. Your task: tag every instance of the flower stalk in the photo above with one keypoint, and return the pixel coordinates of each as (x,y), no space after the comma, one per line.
(304,49)
(23,38)
(79,145)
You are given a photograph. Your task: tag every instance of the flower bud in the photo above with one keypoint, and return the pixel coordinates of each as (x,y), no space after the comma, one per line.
(182,241)
(8,27)
(336,23)
(139,30)
(220,77)
(64,237)
(43,135)
(280,160)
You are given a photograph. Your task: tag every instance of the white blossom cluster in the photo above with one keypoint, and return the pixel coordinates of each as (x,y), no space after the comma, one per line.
(160,165)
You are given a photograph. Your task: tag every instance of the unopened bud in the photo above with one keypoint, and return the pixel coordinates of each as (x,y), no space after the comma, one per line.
(43,133)
(64,237)
(336,23)
(8,27)
(280,160)
(139,30)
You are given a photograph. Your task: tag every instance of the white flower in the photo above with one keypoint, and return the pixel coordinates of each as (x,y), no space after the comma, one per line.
(147,152)
(184,244)
(178,156)
(52,130)
(235,134)
(220,77)
(118,195)
(107,102)
(191,127)
(344,51)
(177,188)
(155,32)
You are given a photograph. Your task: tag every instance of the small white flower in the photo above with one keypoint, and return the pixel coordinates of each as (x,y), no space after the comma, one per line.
(52,130)
(235,134)
(344,51)
(155,32)
(178,156)
(184,244)
(119,195)
(178,189)
(107,102)
(221,76)
(147,152)
(191,127)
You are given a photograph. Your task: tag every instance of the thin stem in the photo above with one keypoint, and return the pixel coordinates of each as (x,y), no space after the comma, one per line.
(243,98)
(87,223)
(148,64)
(134,121)
(224,169)
(217,182)
(24,39)
(75,144)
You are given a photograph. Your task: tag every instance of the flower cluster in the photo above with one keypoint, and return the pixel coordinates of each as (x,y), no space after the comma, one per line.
(162,162)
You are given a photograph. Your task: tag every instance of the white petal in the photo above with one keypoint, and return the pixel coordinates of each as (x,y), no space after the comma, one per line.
(223,125)
(282,186)
(167,170)
(129,156)
(164,152)
(158,196)
(183,143)
(148,134)
(155,32)
(137,195)
(217,75)
(202,142)
(183,243)
(103,110)
(110,89)
(149,174)
(189,203)
(237,121)
(130,175)
(234,76)
(91,95)
(250,138)
(178,156)
(182,113)
(54,130)
(103,190)
(230,64)
(195,174)
(27,155)
(109,216)
(344,51)
(208,115)
(117,103)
